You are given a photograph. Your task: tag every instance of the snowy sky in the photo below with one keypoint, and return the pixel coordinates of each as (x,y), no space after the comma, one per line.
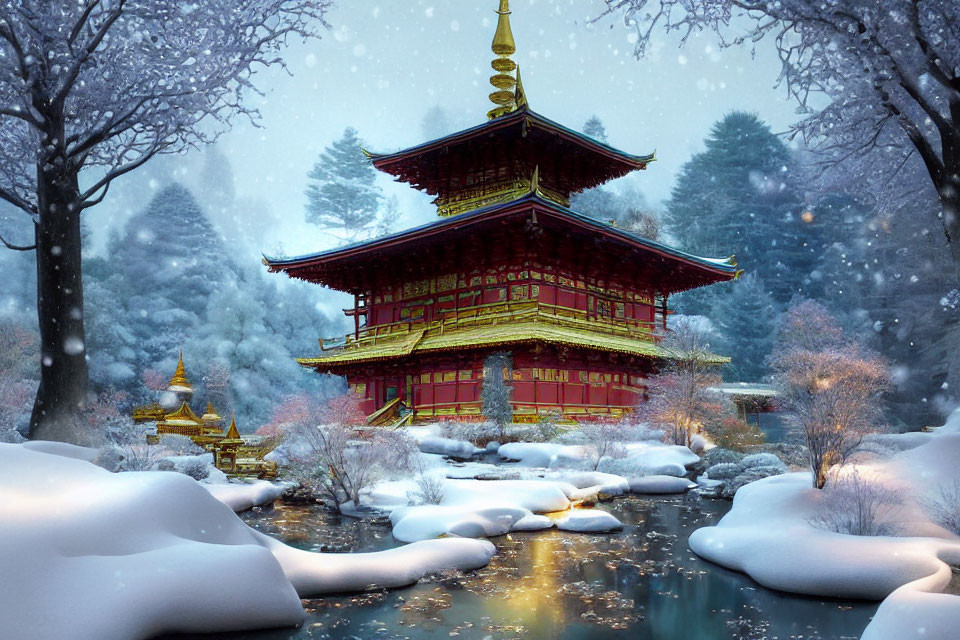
(383,65)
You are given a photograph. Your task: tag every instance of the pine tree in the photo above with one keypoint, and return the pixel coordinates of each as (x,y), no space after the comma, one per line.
(343,193)
(741,197)
(171,260)
(595,129)
(745,315)
(496,391)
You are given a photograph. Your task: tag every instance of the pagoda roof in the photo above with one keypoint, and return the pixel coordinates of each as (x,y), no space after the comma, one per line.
(316,267)
(182,416)
(598,162)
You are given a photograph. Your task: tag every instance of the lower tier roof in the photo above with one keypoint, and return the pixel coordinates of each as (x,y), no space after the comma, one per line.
(498,335)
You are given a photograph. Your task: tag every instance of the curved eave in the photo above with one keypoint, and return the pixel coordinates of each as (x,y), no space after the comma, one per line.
(725,267)
(383,161)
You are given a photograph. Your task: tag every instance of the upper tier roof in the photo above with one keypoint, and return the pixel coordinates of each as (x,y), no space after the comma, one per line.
(568,161)
(338,268)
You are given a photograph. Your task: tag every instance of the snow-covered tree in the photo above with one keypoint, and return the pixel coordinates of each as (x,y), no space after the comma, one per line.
(741,196)
(343,193)
(745,315)
(594,128)
(831,387)
(497,390)
(681,396)
(890,71)
(91,90)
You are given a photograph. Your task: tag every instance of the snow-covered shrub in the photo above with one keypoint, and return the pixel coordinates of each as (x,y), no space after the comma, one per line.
(682,395)
(859,506)
(196,469)
(430,489)
(606,440)
(479,433)
(335,461)
(733,433)
(180,445)
(547,426)
(628,467)
(944,508)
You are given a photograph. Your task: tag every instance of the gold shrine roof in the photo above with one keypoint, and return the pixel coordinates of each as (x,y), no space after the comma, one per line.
(232,433)
(210,414)
(184,416)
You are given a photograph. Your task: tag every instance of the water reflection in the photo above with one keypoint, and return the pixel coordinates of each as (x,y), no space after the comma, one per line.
(643,583)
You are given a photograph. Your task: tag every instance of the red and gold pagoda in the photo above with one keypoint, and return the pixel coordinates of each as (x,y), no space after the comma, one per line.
(508,267)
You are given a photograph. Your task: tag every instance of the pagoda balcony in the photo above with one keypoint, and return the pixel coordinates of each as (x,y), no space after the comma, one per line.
(484,325)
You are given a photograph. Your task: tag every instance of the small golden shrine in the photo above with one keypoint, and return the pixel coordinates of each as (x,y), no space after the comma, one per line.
(232,453)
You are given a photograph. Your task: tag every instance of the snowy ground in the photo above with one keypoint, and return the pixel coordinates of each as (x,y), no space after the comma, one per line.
(91,554)
(768,534)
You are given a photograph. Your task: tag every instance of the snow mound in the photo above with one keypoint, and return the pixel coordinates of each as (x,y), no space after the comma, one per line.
(241,496)
(645,457)
(468,521)
(135,555)
(447,447)
(660,484)
(589,521)
(768,535)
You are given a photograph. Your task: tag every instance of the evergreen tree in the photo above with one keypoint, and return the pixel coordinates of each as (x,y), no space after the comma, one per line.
(745,316)
(171,261)
(343,193)
(594,128)
(497,390)
(740,196)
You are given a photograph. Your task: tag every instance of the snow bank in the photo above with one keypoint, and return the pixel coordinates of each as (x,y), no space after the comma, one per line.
(646,457)
(468,521)
(660,484)
(768,535)
(589,521)
(62,449)
(91,554)
(241,496)
(447,447)
(314,574)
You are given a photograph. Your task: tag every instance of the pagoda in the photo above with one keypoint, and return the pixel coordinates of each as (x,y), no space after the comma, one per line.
(508,267)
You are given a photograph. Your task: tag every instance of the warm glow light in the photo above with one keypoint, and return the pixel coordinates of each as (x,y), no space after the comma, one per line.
(807,216)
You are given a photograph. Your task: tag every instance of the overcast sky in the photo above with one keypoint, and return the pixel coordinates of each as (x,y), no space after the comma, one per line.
(383,65)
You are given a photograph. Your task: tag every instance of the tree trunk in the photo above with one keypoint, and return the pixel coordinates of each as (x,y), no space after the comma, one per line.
(950,206)
(63,372)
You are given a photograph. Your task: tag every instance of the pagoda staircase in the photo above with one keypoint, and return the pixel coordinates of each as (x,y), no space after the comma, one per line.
(389,415)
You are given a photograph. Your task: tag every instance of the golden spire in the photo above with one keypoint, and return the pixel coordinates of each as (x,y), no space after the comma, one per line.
(233,434)
(179,378)
(504,47)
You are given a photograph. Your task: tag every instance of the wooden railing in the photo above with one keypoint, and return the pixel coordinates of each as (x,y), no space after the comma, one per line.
(501,313)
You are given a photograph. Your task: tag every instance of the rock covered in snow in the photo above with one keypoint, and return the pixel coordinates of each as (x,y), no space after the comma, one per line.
(589,521)
(726,478)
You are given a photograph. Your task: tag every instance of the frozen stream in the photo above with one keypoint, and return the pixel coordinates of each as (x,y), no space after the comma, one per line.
(643,583)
